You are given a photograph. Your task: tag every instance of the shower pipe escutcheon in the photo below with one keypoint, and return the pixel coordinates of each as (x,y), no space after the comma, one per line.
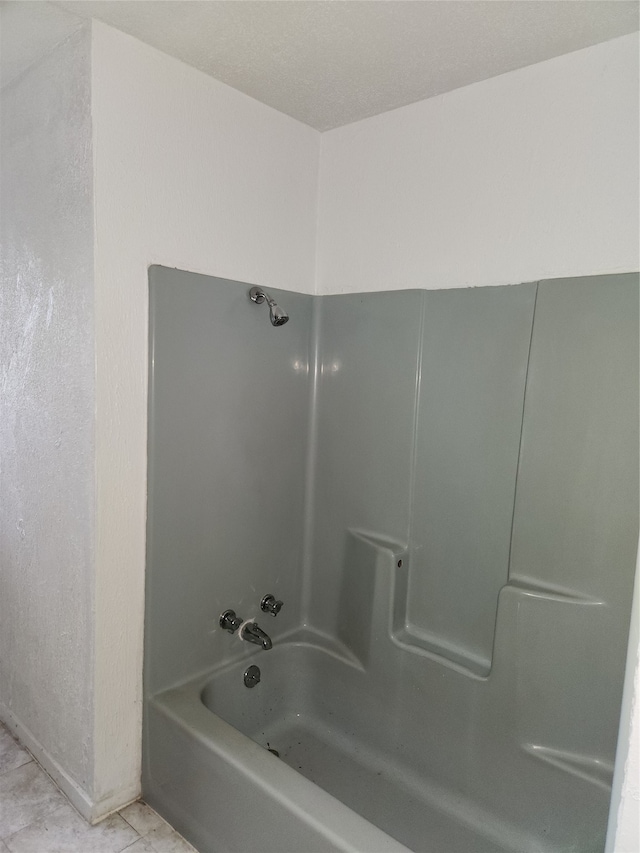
(277,315)
(270,605)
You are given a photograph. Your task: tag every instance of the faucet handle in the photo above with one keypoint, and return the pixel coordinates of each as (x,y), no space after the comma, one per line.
(229,621)
(270,605)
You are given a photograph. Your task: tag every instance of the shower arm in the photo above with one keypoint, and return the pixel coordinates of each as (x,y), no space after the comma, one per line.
(257,295)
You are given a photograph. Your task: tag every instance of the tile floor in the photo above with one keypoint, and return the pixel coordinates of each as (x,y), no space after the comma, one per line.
(35,817)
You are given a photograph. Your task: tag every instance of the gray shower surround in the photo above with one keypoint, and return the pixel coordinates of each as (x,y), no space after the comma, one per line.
(442,486)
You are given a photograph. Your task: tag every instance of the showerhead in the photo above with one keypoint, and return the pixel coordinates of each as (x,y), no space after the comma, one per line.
(277,315)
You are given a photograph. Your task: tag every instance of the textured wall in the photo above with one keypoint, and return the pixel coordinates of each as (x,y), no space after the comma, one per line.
(28,31)
(46,410)
(531,175)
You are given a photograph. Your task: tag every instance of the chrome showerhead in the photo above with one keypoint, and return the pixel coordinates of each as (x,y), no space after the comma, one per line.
(277,315)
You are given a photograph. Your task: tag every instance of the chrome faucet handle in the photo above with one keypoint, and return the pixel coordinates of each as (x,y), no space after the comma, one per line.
(270,605)
(229,621)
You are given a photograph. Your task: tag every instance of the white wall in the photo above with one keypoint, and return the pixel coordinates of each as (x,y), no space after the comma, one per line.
(533,174)
(193,174)
(46,412)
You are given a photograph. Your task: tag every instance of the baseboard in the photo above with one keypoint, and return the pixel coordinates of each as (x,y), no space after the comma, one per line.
(103,808)
(91,811)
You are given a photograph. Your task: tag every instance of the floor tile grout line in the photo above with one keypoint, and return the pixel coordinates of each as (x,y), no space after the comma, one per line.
(65,801)
(16,744)
(129,846)
(6,838)
(17,767)
(41,819)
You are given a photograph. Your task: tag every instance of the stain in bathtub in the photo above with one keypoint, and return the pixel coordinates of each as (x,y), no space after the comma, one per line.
(272,751)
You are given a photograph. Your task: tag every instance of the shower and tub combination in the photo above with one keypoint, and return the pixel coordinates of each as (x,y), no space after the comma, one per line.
(391,550)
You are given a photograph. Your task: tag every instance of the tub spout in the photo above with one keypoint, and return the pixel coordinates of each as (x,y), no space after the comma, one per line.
(252,633)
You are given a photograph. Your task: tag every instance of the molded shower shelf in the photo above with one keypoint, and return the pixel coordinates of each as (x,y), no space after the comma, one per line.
(369,561)
(551,592)
(417,640)
(376,571)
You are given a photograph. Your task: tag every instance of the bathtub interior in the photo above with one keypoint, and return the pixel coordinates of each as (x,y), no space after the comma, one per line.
(442,487)
(307,710)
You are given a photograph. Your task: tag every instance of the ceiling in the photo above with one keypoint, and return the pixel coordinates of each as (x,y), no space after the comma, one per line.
(332,62)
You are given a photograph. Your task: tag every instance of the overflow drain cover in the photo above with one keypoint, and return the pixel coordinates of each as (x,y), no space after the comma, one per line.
(252,676)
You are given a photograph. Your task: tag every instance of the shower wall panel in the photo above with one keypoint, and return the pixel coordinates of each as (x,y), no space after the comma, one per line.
(518,439)
(551,703)
(366,392)
(576,512)
(419,418)
(472,516)
(475,348)
(227,449)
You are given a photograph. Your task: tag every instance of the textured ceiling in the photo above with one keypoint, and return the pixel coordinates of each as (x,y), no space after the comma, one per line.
(331,62)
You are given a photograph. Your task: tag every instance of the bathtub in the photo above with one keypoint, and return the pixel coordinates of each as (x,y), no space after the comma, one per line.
(306,761)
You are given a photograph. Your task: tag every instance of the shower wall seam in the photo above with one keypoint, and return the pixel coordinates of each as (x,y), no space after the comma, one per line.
(416,419)
(311,461)
(524,405)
